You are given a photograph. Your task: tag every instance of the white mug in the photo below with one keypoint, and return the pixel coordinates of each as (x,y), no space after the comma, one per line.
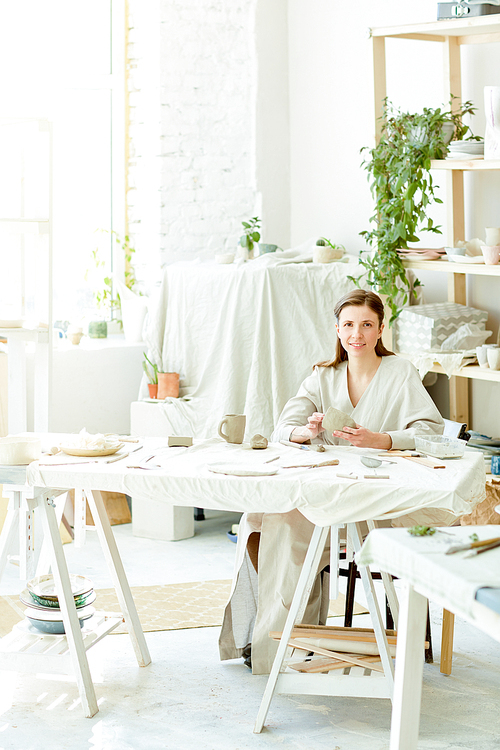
(492,236)
(493,355)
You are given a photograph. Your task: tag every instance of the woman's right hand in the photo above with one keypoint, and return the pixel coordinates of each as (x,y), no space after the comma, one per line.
(313,428)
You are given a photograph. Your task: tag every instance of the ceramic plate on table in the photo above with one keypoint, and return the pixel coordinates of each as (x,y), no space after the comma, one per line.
(242,470)
(45,587)
(89,453)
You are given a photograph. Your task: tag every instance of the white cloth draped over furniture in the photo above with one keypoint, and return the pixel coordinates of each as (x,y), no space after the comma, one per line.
(242,336)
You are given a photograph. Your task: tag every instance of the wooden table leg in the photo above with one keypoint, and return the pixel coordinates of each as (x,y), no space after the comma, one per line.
(409,669)
(115,566)
(67,605)
(297,609)
(447,642)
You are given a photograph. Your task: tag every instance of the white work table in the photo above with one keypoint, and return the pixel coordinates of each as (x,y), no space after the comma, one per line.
(182,476)
(455,582)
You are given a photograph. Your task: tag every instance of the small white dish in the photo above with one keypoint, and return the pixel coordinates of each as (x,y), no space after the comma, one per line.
(466,258)
(88,452)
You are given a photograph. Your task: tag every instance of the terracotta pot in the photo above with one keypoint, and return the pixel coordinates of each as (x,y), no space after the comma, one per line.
(168,385)
(153,390)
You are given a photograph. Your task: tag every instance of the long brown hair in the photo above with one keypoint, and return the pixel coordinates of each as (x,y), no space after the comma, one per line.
(358,298)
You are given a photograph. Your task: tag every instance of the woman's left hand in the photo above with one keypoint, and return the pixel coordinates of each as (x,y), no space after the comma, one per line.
(363,438)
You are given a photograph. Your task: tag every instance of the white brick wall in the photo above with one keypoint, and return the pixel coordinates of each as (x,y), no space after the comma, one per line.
(193,74)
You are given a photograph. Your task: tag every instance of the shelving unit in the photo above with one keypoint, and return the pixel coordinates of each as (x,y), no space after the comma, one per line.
(452,34)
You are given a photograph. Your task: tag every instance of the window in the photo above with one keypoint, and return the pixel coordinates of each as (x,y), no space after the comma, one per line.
(62,61)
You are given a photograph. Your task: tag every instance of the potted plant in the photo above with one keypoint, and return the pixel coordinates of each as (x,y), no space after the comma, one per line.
(151,371)
(326,251)
(403,189)
(250,236)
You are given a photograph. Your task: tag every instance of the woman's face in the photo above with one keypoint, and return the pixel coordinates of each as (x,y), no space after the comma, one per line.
(358,330)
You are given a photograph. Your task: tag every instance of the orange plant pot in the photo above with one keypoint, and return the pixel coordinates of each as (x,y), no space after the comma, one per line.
(168,385)
(153,390)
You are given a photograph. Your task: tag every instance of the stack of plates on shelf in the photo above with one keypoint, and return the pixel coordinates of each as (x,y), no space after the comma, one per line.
(44,612)
(465,150)
(422,253)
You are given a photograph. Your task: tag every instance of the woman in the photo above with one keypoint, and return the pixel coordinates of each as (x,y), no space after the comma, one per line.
(384,396)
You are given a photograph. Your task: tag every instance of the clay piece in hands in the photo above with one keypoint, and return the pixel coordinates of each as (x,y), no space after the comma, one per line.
(335,419)
(258,442)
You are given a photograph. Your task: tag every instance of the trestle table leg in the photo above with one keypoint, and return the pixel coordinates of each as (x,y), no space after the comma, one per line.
(354,532)
(9,531)
(115,566)
(409,668)
(67,605)
(296,613)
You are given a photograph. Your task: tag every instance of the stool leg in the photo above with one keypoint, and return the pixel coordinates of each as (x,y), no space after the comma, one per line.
(429,656)
(447,642)
(349,597)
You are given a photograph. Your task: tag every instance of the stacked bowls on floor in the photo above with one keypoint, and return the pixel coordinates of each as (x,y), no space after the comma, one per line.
(43,611)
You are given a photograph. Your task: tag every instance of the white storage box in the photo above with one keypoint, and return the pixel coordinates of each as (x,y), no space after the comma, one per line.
(425,327)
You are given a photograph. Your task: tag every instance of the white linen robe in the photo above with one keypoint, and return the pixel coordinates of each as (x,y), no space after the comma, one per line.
(395,402)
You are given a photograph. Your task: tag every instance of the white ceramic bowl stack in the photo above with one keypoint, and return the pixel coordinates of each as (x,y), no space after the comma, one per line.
(19,451)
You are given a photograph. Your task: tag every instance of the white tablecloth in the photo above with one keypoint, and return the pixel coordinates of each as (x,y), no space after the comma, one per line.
(450,580)
(243,337)
(319,494)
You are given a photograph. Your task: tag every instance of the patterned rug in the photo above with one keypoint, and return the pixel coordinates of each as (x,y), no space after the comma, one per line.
(174,606)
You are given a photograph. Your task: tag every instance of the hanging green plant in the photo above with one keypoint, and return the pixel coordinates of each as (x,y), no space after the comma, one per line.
(402,186)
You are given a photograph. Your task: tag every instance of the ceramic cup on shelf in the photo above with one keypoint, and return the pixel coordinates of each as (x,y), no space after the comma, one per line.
(491,254)
(168,385)
(481,355)
(493,355)
(495,466)
(235,428)
(492,236)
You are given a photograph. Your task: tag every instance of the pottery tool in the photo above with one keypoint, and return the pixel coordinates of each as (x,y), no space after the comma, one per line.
(472,545)
(347,476)
(301,446)
(117,458)
(418,458)
(333,462)
(485,548)
(270,460)
(122,439)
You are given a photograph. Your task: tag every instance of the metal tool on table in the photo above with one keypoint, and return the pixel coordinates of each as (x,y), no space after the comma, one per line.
(375,463)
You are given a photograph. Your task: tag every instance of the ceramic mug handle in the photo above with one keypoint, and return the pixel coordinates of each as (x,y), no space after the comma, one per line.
(221,424)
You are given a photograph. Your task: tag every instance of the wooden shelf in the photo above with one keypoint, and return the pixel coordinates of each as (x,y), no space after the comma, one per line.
(473,372)
(467,30)
(466,165)
(448,266)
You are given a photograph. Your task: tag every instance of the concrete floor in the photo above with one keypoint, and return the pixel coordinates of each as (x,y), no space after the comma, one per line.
(188,699)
